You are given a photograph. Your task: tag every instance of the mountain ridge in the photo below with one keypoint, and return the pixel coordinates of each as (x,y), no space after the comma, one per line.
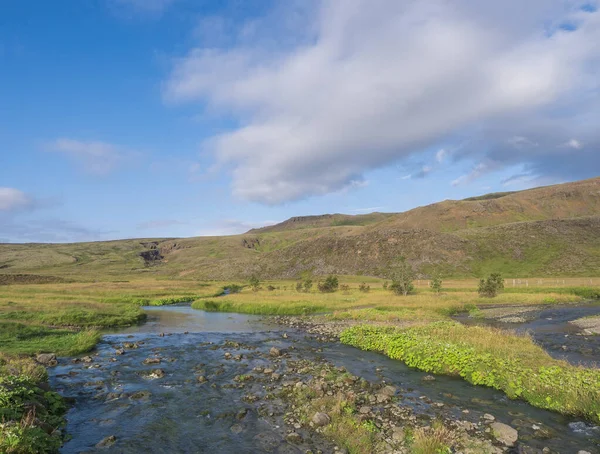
(552,230)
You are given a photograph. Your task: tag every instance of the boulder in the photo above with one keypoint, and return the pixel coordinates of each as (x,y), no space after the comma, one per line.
(321,419)
(504,433)
(47,359)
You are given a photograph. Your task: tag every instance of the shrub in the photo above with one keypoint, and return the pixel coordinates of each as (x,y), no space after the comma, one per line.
(254,283)
(364,287)
(491,286)
(402,276)
(308,283)
(345,288)
(330,285)
(270,288)
(385,285)
(436,284)
(299,286)
(232,288)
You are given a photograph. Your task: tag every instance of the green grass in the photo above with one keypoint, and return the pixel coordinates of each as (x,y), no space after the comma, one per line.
(288,308)
(376,305)
(490,357)
(16,338)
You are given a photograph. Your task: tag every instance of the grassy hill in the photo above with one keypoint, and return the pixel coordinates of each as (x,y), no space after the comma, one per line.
(548,231)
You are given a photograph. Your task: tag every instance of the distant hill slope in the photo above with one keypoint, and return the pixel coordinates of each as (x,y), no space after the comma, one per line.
(547,231)
(324,220)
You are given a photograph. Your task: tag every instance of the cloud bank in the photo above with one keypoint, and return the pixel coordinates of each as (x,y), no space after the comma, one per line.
(13,200)
(371,82)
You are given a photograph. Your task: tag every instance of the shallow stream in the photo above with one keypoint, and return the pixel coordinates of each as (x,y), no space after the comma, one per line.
(551,329)
(116,395)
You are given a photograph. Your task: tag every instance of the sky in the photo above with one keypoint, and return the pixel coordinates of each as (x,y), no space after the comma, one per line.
(176,118)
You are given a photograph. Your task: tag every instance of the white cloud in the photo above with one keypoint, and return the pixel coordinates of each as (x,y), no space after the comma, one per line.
(94,157)
(520,142)
(12,200)
(478,170)
(441,155)
(574,144)
(378,80)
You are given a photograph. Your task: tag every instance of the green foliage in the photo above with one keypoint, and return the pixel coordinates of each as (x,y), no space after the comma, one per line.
(491,286)
(256,309)
(307,285)
(254,283)
(24,407)
(436,284)
(330,285)
(402,275)
(543,382)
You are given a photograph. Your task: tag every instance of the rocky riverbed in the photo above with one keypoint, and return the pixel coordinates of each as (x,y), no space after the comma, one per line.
(254,391)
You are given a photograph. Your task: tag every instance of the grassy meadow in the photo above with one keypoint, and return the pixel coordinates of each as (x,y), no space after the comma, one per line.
(66,318)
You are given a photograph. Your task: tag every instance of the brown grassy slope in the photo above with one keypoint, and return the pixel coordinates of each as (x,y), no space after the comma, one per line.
(540,248)
(569,200)
(324,220)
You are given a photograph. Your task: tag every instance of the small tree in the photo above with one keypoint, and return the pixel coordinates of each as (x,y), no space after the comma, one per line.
(254,283)
(436,284)
(402,276)
(330,284)
(308,283)
(491,286)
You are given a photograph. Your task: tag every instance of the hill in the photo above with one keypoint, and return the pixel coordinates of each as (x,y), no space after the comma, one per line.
(553,230)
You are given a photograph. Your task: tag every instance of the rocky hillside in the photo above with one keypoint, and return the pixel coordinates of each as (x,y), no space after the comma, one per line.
(547,231)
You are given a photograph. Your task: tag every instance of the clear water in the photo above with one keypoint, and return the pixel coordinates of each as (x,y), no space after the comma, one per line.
(179,415)
(551,329)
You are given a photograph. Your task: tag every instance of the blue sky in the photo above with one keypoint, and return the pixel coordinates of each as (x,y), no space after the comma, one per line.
(152,118)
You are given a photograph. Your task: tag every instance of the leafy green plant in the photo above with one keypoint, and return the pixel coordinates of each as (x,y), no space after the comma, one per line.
(491,286)
(521,371)
(402,275)
(330,285)
(254,283)
(436,284)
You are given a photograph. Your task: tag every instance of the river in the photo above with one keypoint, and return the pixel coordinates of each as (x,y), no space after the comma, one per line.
(175,411)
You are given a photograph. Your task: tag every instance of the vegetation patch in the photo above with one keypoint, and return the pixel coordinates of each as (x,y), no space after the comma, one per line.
(16,338)
(490,357)
(30,416)
(290,308)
